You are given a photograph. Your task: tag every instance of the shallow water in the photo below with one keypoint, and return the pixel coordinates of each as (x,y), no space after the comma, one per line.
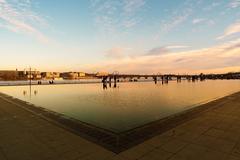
(128,106)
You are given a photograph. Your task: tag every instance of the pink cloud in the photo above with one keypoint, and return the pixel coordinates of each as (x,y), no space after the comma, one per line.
(231,30)
(221,58)
(20,20)
(235,4)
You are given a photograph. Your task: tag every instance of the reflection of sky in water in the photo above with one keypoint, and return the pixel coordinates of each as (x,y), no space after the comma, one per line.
(126,107)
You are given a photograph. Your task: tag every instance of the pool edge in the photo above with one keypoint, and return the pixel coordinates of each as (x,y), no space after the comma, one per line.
(113,141)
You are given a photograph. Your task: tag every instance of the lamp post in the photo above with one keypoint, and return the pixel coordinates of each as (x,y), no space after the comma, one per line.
(30,78)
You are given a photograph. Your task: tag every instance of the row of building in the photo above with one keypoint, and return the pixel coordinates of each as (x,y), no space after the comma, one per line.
(37,75)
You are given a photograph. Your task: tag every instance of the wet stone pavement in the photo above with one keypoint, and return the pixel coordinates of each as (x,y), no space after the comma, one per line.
(214,134)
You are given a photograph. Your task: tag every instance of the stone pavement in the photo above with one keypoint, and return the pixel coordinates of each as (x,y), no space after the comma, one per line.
(214,134)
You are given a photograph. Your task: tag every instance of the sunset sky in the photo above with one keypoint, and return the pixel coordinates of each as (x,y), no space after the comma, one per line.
(129,36)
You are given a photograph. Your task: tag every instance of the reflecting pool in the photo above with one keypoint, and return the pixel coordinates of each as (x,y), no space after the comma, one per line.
(127,106)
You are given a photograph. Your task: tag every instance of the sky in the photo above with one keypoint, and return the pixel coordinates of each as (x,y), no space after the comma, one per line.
(128,36)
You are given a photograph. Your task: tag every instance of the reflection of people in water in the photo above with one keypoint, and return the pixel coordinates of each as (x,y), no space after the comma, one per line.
(115,82)
(110,83)
(24,93)
(104,85)
(35,92)
(155,80)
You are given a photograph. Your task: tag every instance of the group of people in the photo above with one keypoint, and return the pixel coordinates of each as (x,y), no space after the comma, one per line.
(110,84)
(51,82)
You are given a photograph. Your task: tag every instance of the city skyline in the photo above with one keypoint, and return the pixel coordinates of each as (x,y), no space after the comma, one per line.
(130,36)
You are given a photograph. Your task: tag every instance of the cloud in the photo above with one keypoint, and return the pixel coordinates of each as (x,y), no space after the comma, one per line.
(117,15)
(132,6)
(202,21)
(165,49)
(177,47)
(234,4)
(211,6)
(117,52)
(18,17)
(219,58)
(198,20)
(168,26)
(158,51)
(176,18)
(233,47)
(231,30)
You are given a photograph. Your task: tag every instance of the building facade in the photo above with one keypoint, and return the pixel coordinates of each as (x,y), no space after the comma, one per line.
(8,75)
(50,75)
(73,75)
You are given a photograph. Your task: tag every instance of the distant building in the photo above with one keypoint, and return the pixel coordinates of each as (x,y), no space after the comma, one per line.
(22,75)
(8,75)
(81,74)
(102,74)
(50,75)
(56,75)
(69,75)
(19,75)
(35,75)
(90,75)
(73,75)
